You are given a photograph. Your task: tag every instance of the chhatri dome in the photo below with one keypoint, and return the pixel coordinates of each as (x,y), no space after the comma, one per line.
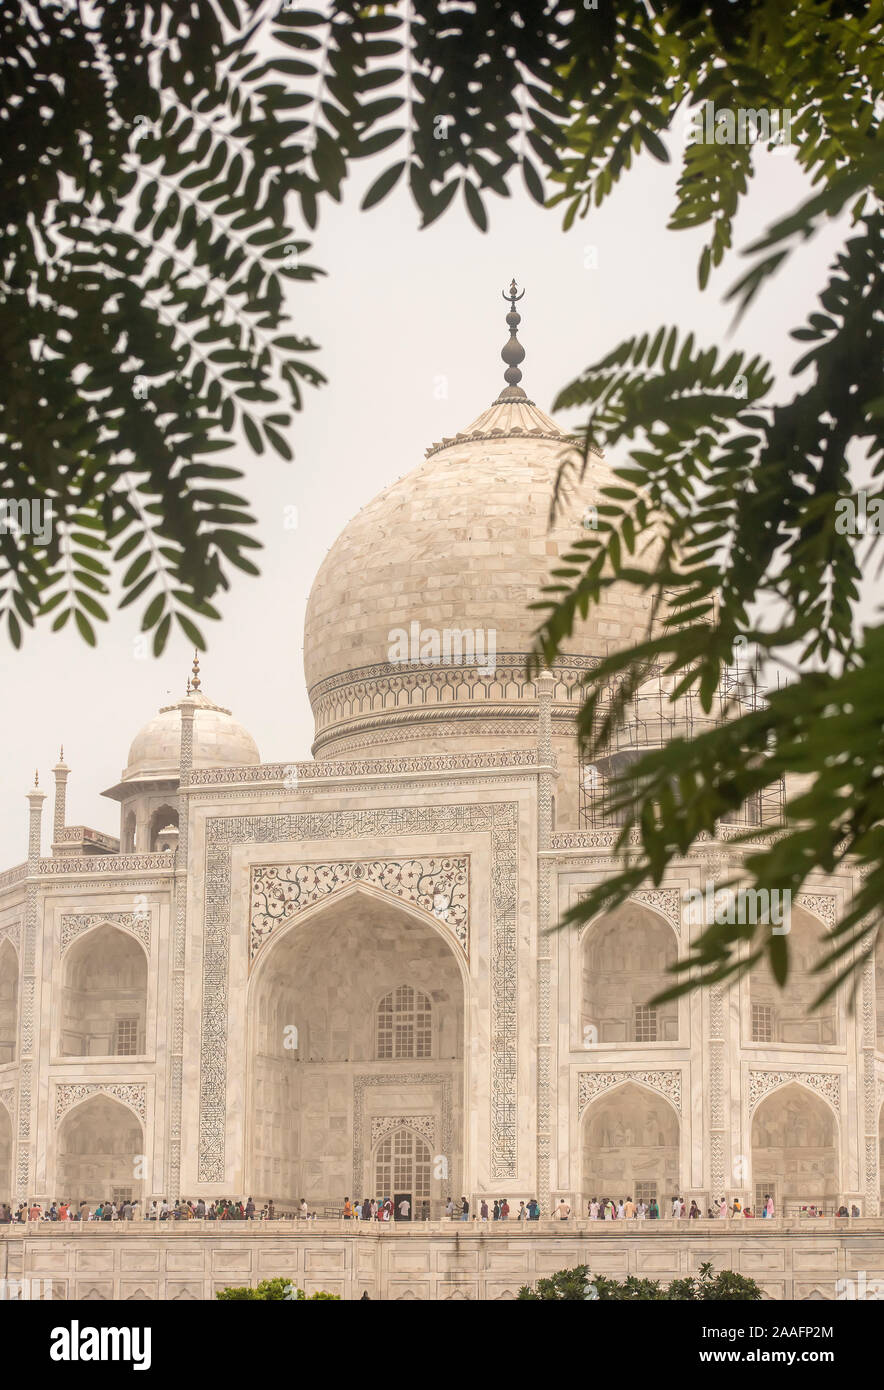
(463,542)
(147,789)
(218,740)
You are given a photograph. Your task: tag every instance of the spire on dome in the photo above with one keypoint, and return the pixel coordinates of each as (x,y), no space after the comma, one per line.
(513,353)
(194,682)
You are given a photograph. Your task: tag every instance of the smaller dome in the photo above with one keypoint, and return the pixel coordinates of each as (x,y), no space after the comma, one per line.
(218,741)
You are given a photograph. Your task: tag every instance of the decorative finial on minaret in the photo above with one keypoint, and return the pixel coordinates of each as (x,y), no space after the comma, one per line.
(194,682)
(36,777)
(513,353)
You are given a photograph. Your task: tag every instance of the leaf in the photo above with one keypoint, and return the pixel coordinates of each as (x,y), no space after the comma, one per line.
(383,184)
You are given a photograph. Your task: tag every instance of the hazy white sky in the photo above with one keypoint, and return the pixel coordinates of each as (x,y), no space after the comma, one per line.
(399,310)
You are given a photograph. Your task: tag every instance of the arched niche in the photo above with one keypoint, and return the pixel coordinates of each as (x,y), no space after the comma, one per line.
(625,957)
(162,817)
(315,1083)
(795,1150)
(402,1163)
(879,991)
(104,995)
(785,1015)
(5,1154)
(630,1145)
(100,1152)
(8,1002)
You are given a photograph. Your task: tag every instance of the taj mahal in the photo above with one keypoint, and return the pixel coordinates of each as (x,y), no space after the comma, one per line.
(341,976)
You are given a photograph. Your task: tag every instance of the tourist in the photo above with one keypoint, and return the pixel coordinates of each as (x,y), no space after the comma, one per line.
(563,1210)
(854,1209)
(348,1209)
(483,1210)
(737,1208)
(496,1210)
(522,1213)
(388,1209)
(769,1205)
(464,1209)
(504,1209)
(621,1210)
(593,1210)
(250,1210)
(676,1207)
(449,1208)
(641,1210)
(608,1208)
(654,1210)
(5,1214)
(749,1213)
(366,1209)
(629,1209)
(404,1209)
(722,1209)
(694,1213)
(534,1209)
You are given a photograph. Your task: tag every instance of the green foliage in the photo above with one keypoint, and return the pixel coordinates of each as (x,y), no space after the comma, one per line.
(725,520)
(279,1290)
(578,1285)
(151,159)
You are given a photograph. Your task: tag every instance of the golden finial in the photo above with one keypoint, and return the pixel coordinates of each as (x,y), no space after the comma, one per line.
(195,678)
(36,778)
(61,754)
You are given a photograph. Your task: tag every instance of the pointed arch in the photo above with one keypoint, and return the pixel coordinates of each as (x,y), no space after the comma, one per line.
(104,994)
(313,999)
(626,955)
(795,1148)
(100,1151)
(631,1138)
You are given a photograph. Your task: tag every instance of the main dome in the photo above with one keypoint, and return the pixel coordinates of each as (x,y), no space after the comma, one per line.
(460,545)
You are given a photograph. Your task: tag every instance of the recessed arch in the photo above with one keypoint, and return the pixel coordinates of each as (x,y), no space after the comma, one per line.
(358,889)
(402,1163)
(100,1151)
(630,1138)
(626,956)
(9,969)
(311,1048)
(162,817)
(778,1016)
(795,1149)
(104,994)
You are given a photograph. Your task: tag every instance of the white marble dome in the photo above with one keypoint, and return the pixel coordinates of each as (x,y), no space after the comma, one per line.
(462,542)
(218,741)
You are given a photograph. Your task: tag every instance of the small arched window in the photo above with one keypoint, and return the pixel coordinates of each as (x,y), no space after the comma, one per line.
(404,1024)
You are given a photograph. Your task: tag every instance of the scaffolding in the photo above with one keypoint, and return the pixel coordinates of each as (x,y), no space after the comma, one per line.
(651,720)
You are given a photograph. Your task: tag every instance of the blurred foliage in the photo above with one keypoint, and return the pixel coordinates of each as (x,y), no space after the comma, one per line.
(277,1290)
(578,1285)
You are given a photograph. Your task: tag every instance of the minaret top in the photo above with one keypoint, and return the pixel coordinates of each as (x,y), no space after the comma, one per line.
(512,353)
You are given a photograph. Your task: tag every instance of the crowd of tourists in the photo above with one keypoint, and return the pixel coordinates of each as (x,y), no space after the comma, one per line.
(382,1209)
(222,1209)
